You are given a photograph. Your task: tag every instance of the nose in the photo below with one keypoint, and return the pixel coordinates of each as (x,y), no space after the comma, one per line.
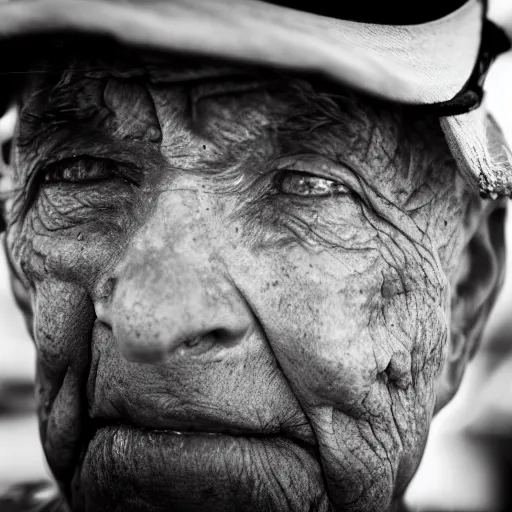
(171,299)
(182,311)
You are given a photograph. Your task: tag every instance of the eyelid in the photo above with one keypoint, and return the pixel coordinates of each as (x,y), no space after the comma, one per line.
(313,165)
(125,170)
(339,172)
(74,164)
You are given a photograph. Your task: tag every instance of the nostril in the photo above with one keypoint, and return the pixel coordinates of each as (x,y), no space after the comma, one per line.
(108,288)
(197,345)
(215,339)
(226,337)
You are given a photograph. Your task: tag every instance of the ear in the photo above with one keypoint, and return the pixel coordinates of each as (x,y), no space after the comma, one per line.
(475,288)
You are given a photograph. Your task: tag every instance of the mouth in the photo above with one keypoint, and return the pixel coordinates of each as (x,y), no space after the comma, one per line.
(200,428)
(177,468)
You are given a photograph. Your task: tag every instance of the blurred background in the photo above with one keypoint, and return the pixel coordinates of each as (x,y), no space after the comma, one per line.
(468,461)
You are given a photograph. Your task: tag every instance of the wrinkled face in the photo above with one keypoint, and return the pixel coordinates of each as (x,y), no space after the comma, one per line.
(240,286)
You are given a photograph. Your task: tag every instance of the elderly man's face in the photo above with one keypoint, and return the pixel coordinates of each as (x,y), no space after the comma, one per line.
(241,287)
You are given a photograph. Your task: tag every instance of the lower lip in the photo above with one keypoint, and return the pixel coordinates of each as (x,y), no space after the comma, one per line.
(127,468)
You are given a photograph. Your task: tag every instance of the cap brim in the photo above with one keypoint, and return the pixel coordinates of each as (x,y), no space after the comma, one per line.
(417,64)
(481,151)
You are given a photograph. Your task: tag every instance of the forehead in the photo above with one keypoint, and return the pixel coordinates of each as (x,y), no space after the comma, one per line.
(66,67)
(70,91)
(70,87)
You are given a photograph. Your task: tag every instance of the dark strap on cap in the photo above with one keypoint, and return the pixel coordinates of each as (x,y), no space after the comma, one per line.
(493,43)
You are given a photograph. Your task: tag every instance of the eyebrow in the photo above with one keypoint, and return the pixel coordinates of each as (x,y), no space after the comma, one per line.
(41,131)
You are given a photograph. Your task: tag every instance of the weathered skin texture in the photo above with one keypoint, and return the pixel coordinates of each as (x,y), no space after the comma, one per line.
(182,279)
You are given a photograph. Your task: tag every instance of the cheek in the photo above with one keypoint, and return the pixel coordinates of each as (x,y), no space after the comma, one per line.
(77,254)
(64,317)
(315,312)
(346,300)
(359,329)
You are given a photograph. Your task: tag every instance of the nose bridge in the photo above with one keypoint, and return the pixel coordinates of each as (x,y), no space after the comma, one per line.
(172,291)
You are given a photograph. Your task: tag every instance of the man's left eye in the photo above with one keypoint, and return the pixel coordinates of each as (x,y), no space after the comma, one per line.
(303,184)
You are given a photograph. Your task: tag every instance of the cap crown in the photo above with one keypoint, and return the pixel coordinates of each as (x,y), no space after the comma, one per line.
(391,12)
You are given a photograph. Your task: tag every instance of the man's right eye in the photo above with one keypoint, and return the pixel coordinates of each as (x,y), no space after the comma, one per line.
(80,170)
